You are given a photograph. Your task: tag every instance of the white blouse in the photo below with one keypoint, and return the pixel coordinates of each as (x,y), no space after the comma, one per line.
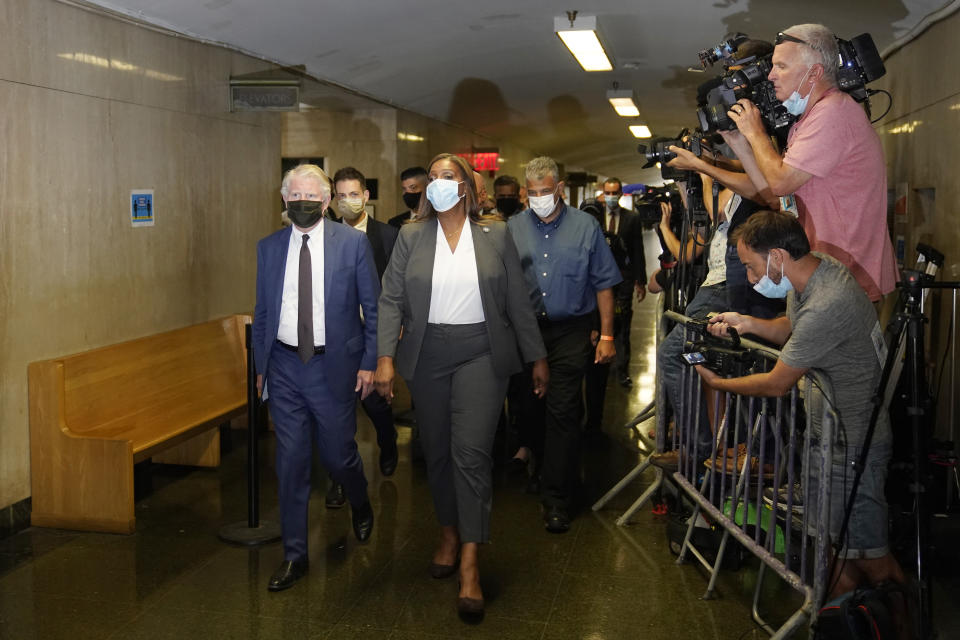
(455,297)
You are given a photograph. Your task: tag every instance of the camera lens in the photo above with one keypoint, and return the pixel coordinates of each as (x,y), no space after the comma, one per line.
(714,118)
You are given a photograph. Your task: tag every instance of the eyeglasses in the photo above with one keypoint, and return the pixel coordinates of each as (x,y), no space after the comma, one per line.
(786,37)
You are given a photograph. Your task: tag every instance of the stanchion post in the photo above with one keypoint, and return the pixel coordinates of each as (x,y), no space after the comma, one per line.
(252,532)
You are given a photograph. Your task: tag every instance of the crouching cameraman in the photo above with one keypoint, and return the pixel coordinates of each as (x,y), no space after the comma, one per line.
(830,326)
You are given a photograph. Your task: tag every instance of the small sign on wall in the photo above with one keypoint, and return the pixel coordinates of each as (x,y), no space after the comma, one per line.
(900,204)
(142,211)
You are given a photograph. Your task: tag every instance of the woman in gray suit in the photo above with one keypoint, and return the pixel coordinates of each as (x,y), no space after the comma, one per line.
(456,318)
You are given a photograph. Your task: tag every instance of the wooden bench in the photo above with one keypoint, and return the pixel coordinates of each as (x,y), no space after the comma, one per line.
(94,414)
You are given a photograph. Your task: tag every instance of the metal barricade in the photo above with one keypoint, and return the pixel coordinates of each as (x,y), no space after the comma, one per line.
(752,479)
(648,412)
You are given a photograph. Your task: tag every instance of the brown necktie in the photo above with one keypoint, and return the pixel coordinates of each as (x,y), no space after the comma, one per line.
(305,304)
(613,224)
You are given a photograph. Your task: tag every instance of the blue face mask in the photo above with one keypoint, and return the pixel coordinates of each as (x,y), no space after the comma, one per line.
(795,105)
(770,289)
(443,194)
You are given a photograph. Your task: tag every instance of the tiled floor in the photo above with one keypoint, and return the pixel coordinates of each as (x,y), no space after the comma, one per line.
(175,579)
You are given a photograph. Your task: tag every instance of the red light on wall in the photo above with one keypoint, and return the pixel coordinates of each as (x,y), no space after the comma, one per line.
(483,160)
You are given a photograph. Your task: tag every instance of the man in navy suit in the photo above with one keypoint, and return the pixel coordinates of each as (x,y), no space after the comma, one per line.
(313,352)
(350,194)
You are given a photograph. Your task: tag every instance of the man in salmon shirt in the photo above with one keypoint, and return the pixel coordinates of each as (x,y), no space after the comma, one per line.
(832,175)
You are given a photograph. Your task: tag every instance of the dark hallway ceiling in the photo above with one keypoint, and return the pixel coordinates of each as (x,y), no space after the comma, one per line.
(497,67)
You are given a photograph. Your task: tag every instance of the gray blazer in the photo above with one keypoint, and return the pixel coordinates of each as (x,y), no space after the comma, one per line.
(504,293)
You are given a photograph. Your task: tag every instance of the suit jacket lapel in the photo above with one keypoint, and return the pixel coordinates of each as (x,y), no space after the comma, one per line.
(422,259)
(279,259)
(331,257)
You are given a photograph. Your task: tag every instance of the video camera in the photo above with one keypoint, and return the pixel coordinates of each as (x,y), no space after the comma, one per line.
(723,51)
(749,81)
(647,203)
(859,63)
(720,356)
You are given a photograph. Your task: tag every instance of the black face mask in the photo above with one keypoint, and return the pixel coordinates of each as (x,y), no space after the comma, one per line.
(508,206)
(305,213)
(412,200)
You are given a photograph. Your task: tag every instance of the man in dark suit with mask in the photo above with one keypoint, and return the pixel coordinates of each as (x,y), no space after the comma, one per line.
(413,181)
(624,235)
(351,196)
(315,346)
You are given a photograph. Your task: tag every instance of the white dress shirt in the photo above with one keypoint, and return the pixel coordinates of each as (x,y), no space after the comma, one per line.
(287,332)
(362,225)
(455,297)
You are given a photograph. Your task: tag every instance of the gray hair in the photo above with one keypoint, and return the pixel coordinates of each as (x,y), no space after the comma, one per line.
(822,50)
(540,168)
(306,171)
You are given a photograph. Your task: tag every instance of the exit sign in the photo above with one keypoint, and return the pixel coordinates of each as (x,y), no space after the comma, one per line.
(482,160)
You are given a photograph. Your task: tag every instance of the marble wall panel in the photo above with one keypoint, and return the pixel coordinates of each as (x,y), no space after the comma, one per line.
(921,140)
(77,137)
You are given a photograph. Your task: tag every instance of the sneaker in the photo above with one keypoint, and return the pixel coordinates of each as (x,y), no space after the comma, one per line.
(796,507)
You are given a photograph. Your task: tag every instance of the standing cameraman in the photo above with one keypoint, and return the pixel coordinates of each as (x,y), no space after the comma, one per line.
(833,174)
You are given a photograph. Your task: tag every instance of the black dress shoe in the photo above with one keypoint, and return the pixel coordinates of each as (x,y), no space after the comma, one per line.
(518,467)
(335,496)
(533,485)
(363,521)
(389,457)
(288,573)
(556,520)
(625,381)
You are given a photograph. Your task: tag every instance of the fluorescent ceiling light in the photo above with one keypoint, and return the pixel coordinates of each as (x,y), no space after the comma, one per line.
(580,37)
(624,102)
(640,131)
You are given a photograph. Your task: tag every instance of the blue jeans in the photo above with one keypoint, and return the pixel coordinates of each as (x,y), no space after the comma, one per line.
(669,366)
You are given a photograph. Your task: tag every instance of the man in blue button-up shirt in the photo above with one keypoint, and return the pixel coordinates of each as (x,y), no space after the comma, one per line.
(571,272)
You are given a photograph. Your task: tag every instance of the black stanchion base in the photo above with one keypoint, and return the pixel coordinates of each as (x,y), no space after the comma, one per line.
(241,533)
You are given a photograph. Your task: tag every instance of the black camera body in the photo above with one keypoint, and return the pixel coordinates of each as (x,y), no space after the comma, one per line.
(722,359)
(750,81)
(647,203)
(860,63)
(720,356)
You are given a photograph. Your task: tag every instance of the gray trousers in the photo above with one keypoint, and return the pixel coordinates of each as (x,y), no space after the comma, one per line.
(458,398)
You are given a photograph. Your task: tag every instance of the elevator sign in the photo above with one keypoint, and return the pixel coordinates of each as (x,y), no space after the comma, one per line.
(264,97)
(142,212)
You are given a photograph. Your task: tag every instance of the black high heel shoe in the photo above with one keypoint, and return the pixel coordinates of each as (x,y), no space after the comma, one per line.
(441,571)
(470,610)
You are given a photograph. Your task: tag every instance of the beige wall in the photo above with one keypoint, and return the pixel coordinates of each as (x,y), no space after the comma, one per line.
(363,138)
(92,108)
(921,139)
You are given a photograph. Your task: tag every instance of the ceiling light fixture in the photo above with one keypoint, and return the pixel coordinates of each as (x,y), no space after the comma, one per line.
(624,101)
(640,131)
(579,35)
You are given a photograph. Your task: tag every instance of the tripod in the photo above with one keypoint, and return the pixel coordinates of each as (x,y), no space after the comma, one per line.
(907,329)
